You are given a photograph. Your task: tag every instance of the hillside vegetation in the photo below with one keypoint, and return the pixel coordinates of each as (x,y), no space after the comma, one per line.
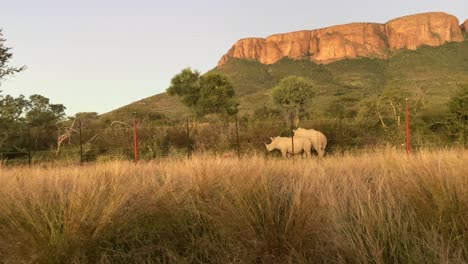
(357,103)
(431,72)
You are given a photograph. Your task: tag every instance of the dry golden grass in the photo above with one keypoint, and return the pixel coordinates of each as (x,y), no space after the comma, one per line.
(375,207)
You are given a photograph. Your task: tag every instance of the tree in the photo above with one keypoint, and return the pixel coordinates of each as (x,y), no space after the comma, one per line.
(12,109)
(16,113)
(44,114)
(458,106)
(11,121)
(392,102)
(369,115)
(186,85)
(293,94)
(210,93)
(216,95)
(5,57)
(85,118)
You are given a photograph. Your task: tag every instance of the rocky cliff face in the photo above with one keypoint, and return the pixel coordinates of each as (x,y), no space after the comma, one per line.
(351,40)
(433,29)
(464,26)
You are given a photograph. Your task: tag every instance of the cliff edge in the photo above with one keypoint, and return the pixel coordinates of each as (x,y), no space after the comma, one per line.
(351,40)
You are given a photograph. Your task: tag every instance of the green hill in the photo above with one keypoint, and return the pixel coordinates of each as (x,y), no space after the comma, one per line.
(433,71)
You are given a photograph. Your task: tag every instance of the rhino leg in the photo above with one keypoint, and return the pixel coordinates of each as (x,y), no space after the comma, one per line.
(320,152)
(284,154)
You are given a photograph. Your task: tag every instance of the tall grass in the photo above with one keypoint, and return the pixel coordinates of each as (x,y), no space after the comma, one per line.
(376,207)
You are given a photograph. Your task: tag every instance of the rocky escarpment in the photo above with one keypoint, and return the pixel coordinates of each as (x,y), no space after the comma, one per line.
(351,40)
(464,26)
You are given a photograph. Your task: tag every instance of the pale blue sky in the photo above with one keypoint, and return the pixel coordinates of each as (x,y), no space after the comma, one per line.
(102,54)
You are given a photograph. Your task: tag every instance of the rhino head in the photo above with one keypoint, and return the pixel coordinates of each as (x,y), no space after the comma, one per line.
(272,145)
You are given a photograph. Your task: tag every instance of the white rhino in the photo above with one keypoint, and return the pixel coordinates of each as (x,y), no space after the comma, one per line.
(284,144)
(317,138)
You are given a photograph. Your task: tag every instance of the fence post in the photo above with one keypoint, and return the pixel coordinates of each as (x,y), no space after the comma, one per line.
(188,138)
(29,144)
(237,138)
(407,129)
(135,140)
(81,144)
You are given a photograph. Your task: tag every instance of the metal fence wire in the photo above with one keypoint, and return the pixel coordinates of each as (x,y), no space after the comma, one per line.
(229,137)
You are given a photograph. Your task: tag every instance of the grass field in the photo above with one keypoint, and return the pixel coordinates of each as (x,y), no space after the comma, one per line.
(373,207)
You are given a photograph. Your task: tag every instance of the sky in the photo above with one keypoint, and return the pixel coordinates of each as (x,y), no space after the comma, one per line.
(98,55)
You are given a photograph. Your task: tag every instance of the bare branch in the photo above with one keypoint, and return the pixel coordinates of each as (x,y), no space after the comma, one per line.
(66,135)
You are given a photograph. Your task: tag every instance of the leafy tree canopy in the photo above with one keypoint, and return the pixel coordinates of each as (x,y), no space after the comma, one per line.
(293,92)
(43,113)
(458,103)
(210,93)
(216,93)
(17,113)
(38,111)
(11,108)
(186,85)
(458,106)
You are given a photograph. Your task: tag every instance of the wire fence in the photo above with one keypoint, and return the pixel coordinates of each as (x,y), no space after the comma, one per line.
(230,137)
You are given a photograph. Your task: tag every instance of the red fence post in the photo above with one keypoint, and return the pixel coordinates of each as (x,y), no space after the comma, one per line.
(135,140)
(407,129)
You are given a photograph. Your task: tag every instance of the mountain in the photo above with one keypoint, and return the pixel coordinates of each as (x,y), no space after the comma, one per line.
(432,62)
(351,40)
